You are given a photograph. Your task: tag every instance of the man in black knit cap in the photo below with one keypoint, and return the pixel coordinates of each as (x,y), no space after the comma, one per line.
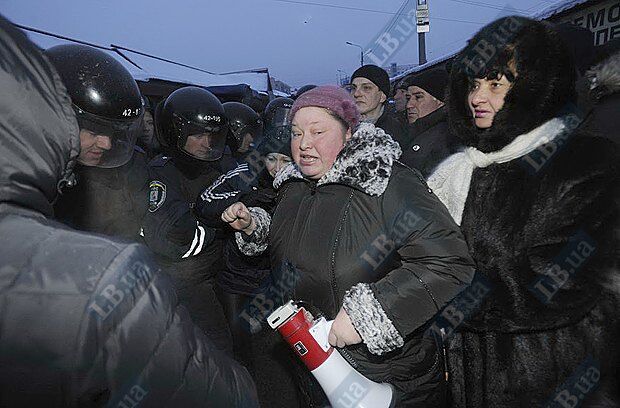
(370,87)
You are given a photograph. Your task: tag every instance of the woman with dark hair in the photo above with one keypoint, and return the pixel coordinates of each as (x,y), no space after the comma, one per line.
(535,202)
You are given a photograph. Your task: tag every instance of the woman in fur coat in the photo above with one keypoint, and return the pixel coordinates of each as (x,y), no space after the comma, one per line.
(374,249)
(534,199)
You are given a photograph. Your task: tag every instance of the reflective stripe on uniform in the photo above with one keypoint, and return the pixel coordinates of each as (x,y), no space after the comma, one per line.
(197,243)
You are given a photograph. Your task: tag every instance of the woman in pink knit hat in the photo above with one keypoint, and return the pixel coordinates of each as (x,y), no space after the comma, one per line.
(374,248)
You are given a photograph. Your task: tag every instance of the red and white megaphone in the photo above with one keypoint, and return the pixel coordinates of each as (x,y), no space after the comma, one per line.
(343,385)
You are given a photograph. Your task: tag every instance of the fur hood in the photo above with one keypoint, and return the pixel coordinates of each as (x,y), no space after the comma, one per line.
(604,78)
(543,88)
(364,163)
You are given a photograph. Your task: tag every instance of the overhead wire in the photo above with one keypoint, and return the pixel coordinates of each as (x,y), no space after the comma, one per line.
(336,6)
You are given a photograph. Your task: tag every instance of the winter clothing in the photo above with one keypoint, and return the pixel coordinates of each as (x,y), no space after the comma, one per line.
(376,75)
(451,181)
(187,248)
(579,41)
(250,184)
(434,81)
(86,320)
(429,143)
(539,224)
(333,98)
(246,281)
(110,201)
(370,236)
(604,96)
(389,122)
(402,84)
(528,86)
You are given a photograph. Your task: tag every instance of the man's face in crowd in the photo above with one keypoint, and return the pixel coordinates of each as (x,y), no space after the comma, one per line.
(92,147)
(420,103)
(400,100)
(147,124)
(246,143)
(199,145)
(368,97)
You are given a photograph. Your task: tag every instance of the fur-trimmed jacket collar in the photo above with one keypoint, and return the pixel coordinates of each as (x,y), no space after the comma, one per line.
(364,163)
(604,78)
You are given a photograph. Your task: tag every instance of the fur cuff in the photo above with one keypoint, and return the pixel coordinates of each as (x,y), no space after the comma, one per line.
(256,243)
(370,320)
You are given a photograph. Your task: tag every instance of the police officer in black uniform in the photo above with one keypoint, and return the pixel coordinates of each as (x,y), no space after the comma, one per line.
(193,129)
(246,129)
(112,180)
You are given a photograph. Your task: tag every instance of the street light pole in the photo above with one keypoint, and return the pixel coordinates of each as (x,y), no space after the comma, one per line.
(341,75)
(361,51)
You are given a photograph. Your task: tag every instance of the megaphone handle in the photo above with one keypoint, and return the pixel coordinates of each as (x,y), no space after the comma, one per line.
(328,327)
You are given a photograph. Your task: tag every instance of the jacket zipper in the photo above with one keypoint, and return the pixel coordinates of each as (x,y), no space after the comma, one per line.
(347,356)
(333,254)
(343,352)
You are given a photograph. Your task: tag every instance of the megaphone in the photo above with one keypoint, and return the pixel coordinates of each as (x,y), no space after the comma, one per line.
(343,385)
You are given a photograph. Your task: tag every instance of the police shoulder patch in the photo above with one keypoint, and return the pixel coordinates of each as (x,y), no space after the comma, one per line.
(157,195)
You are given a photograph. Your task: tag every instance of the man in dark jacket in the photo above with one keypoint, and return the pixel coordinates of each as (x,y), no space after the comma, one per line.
(370,86)
(112,180)
(429,141)
(194,128)
(86,321)
(400,100)
(107,201)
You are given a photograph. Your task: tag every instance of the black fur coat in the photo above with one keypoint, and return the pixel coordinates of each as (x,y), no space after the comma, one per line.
(540,229)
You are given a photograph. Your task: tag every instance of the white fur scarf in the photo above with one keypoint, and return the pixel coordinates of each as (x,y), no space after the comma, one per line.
(451,179)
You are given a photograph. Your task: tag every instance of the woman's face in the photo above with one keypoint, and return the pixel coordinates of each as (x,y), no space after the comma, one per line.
(420,103)
(316,141)
(275,161)
(486,98)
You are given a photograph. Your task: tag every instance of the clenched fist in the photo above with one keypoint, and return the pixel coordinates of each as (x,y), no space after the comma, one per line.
(239,218)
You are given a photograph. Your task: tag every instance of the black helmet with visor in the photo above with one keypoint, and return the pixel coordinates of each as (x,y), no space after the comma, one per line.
(193,123)
(105,98)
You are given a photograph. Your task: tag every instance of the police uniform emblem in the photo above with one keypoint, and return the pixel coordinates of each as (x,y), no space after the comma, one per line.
(157,195)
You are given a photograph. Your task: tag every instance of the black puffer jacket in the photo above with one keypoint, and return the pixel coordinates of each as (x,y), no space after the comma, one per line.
(430,142)
(372,236)
(85,321)
(389,122)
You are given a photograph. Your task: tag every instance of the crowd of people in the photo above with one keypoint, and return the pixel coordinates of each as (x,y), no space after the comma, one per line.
(145,244)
